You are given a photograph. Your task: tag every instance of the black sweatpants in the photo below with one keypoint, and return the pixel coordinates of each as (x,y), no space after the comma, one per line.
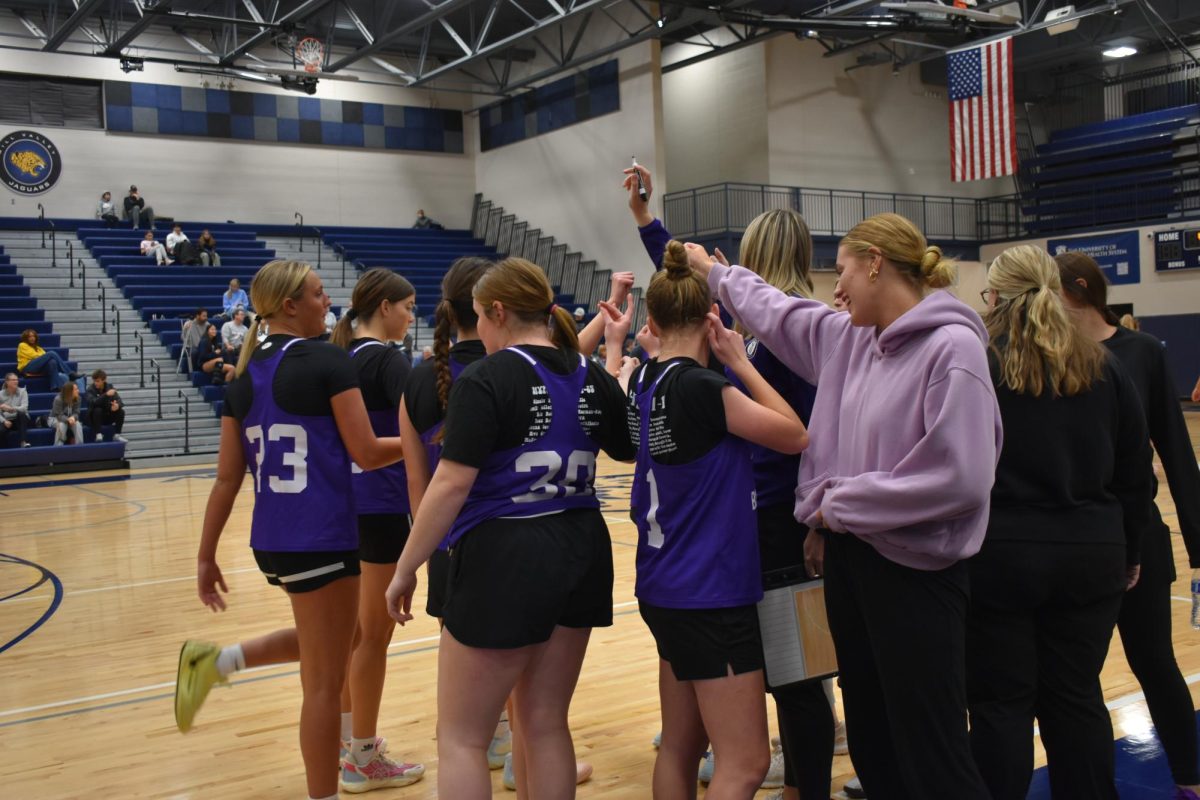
(806,728)
(99,414)
(900,640)
(1145,626)
(1041,620)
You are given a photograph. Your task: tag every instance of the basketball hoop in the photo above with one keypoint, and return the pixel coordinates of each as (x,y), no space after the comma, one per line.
(310,52)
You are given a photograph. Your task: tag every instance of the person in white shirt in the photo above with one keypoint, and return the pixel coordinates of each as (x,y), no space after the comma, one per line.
(106,210)
(150,247)
(175,238)
(233,333)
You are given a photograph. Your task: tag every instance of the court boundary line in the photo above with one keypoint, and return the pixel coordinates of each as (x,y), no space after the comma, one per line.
(156,686)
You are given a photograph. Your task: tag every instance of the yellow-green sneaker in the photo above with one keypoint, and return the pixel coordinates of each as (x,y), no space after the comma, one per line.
(197,674)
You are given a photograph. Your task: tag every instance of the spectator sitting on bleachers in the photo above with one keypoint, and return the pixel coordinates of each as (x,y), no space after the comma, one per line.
(106,210)
(233,333)
(211,357)
(208,249)
(153,248)
(579,317)
(193,329)
(426,222)
(175,238)
(33,360)
(65,416)
(14,410)
(105,407)
(425,354)
(136,208)
(234,298)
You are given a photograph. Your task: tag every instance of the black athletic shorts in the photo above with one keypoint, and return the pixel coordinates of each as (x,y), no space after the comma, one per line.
(513,580)
(304,572)
(381,537)
(439,575)
(705,643)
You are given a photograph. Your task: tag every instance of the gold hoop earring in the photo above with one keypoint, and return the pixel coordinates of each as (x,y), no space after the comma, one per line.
(872,275)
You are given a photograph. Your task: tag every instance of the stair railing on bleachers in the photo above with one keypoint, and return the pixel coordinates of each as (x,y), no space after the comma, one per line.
(117,322)
(103,298)
(319,238)
(157,378)
(186,410)
(299,229)
(53,244)
(82,284)
(42,218)
(70,255)
(140,347)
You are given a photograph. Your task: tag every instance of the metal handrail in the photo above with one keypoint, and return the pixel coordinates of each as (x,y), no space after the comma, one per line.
(53,243)
(41,218)
(103,298)
(70,261)
(318,239)
(157,378)
(117,321)
(186,410)
(82,283)
(299,229)
(829,212)
(141,351)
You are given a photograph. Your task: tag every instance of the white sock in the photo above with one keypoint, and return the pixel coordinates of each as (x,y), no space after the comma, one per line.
(501,726)
(362,750)
(231,660)
(347,726)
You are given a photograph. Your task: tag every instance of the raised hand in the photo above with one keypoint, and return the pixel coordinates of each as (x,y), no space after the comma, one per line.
(649,342)
(639,207)
(619,288)
(699,259)
(727,345)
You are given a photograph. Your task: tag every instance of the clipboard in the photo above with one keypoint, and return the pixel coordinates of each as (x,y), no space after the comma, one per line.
(797,643)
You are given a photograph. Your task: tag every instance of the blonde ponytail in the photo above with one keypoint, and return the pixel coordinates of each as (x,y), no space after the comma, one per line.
(1038,346)
(248,346)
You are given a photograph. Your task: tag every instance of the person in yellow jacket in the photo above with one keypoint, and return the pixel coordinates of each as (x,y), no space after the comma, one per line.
(33,360)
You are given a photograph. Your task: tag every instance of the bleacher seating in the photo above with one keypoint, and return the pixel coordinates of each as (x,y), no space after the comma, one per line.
(18,312)
(165,295)
(1138,167)
(421,256)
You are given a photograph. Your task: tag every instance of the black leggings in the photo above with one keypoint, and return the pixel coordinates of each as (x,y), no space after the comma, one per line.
(806,726)
(1145,627)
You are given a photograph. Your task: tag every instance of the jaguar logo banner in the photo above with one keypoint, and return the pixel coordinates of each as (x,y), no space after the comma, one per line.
(31,163)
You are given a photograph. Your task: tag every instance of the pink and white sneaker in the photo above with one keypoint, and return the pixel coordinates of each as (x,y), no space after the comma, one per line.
(378,773)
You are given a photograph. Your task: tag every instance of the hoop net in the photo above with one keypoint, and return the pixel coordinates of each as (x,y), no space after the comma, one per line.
(310,52)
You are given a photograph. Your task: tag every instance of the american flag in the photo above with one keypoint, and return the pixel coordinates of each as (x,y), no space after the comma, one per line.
(983,138)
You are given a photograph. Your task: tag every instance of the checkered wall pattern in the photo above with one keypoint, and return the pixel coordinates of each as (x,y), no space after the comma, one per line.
(577,98)
(252,116)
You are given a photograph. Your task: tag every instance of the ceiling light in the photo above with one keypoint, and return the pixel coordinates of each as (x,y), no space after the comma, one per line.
(1124,51)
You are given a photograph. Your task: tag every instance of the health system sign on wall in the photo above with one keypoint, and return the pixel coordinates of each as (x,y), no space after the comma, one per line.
(1116,253)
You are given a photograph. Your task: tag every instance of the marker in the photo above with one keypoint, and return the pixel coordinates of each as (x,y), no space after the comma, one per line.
(641,186)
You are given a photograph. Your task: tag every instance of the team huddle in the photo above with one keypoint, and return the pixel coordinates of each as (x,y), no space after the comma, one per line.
(475,470)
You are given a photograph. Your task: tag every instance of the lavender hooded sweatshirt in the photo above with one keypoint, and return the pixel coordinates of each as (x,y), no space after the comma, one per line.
(906,428)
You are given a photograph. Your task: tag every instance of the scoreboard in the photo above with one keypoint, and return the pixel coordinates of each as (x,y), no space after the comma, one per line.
(1177,250)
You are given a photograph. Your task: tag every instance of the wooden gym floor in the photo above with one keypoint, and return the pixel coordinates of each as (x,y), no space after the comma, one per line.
(97,593)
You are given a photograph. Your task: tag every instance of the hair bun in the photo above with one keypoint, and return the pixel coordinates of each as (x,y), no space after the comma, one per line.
(933,255)
(937,272)
(675,261)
